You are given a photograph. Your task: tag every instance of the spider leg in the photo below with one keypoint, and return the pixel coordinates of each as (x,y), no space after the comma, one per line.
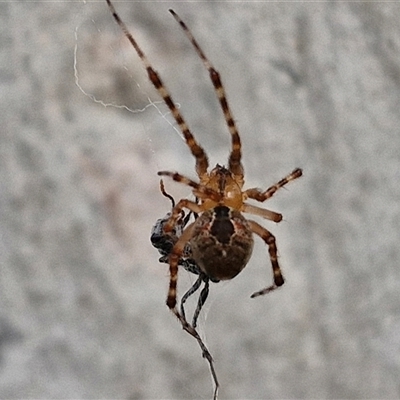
(174,257)
(269,240)
(262,212)
(258,195)
(199,190)
(235,165)
(197,151)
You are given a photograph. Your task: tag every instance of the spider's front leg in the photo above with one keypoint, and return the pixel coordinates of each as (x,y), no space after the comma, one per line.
(269,240)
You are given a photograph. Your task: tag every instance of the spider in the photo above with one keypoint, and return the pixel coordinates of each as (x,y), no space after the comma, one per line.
(220,240)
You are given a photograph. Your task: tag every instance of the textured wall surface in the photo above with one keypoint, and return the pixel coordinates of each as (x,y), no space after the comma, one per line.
(82,295)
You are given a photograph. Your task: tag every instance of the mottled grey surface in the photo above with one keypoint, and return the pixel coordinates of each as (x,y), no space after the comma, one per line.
(82,296)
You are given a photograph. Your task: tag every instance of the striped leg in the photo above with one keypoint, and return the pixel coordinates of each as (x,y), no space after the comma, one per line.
(197,151)
(176,254)
(199,190)
(235,165)
(258,195)
(269,240)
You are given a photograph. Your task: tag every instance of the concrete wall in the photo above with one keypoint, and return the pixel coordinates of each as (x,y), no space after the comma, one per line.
(82,295)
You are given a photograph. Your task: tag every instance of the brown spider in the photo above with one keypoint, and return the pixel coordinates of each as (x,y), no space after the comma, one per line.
(221,238)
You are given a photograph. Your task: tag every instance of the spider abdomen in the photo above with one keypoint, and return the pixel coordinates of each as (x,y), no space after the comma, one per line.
(222,242)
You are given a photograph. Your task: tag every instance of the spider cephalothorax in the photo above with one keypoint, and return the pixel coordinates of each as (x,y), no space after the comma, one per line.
(218,244)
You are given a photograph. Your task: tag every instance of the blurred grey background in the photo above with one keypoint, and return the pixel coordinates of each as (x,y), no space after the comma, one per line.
(82,295)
